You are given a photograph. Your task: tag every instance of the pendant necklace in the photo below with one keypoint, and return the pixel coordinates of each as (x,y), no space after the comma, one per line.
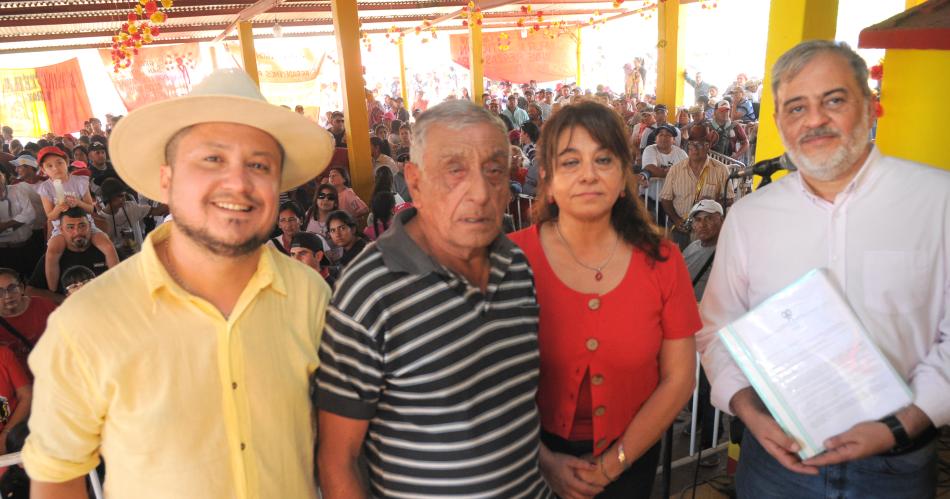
(598,271)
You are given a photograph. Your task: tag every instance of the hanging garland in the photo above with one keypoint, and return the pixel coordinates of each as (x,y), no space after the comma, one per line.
(140,29)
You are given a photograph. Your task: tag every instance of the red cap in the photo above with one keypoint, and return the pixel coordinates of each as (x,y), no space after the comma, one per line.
(50,151)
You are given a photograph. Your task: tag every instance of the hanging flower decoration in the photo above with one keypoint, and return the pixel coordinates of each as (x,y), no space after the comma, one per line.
(503,42)
(471,13)
(140,28)
(708,4)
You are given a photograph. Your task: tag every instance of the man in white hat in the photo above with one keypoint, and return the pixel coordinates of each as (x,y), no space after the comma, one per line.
(195,381)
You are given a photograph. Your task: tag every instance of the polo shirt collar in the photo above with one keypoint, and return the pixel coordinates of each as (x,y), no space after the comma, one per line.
(157,276)
(400,252)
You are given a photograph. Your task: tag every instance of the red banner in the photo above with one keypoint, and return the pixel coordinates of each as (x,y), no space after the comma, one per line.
(519,60)
(157,73)
(64,92)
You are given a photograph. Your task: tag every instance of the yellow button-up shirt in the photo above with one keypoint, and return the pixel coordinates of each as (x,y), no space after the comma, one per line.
(179,400)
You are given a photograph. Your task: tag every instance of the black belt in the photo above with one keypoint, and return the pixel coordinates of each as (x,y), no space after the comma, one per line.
(922,440)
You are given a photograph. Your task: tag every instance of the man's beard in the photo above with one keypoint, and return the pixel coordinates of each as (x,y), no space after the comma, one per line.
(840,161)
(202,237)
(81,244)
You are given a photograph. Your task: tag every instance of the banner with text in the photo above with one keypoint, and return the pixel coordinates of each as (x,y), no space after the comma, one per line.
(157,73)
(535,57)
(288,77)
(22,107)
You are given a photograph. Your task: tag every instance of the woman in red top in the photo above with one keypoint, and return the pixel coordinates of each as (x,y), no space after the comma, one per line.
(618,312)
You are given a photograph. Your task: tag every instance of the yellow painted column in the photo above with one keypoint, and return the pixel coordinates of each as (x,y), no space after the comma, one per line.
(475,61)
(913,81)
(248,55)
(403,86)
(578,37)
(346,24)
(790,23)
(669,64)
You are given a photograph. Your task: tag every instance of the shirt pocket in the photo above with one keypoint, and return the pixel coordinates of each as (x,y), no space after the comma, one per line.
(894,281)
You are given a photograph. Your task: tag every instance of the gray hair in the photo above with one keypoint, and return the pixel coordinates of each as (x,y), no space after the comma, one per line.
(792,62)
(455,115)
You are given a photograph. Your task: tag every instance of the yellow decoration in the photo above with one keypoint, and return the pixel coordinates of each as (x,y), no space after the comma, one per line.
(158,17)
(133,29)
(139,10)
(167,3)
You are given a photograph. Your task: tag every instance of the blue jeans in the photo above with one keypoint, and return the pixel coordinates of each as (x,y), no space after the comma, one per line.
(911,476)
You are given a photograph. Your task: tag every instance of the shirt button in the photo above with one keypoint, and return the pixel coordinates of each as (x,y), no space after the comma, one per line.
(597,379)
(242,446)
(601,443)
(234,386)
(600,411)
(593,303)
(592,344)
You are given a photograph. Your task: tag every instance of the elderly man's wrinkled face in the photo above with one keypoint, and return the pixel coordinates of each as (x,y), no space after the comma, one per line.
(824,118)
(461,189)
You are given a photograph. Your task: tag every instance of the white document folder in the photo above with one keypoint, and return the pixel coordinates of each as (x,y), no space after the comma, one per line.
(813,364)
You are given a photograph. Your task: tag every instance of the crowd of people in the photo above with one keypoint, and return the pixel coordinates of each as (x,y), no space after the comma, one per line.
(438,355)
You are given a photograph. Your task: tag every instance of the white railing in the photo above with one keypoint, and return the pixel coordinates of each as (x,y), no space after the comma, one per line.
(14,459)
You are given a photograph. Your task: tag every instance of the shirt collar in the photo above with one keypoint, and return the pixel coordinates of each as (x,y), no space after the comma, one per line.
(157,276)
(865,175)
(401,253)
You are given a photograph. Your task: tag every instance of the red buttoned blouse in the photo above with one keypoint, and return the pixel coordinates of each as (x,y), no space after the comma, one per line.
(615,336)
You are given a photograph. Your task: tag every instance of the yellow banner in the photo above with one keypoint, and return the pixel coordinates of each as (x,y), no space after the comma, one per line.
(22,107)
(287,77)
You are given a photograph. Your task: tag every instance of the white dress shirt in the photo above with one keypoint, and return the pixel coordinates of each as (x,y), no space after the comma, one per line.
(15,205)
(885,241)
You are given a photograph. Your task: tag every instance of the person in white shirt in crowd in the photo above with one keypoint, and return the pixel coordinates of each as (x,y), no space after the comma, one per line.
(657,160)
(16,226)
(379,159)
(124,218)
(837,212)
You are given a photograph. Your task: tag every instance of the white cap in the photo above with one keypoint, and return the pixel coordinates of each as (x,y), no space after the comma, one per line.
(707,205)
(25,160)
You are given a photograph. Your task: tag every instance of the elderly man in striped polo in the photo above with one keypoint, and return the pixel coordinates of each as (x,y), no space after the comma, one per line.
(430,351)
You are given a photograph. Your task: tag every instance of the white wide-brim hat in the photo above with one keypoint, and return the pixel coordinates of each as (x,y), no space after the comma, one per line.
(137,143)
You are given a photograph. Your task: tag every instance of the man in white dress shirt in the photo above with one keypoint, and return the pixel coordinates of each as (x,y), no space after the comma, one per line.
(837,212)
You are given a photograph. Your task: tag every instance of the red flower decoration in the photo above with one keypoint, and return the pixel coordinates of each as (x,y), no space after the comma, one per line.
(877,72)
(878,109)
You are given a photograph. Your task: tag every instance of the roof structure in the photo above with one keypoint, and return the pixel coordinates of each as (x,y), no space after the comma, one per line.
(36,25)
(925,27)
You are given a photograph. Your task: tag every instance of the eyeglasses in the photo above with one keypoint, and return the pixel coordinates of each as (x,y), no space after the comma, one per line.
(288,220)
(339,229)
(12,289)
(693,144)
(324,195)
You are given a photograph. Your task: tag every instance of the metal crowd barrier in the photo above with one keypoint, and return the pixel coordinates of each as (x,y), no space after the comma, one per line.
(14,459)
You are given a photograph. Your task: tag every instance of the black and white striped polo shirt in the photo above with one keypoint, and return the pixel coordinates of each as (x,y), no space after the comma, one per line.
(445,374)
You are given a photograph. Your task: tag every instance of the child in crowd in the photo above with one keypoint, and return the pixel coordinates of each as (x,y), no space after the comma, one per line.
(59,193)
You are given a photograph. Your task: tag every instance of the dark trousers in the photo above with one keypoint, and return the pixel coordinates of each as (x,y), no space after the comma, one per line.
(635,483)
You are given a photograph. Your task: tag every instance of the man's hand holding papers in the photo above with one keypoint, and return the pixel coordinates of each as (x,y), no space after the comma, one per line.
(749,408)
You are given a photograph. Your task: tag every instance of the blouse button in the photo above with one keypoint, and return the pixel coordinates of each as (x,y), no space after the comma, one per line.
(593,303)
(601,443)
(600,411)
(592,344)
(597,379)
